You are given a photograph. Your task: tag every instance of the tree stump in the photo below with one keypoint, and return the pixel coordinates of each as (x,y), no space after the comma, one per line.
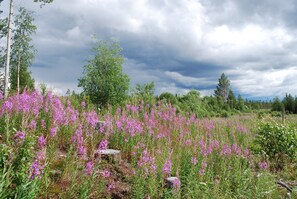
(100,125)
(172,182)
(110,155)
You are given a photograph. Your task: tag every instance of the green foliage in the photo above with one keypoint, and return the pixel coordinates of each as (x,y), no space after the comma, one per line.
(277,104)
(223,88)
(231,100)
(277,142)
(192,103)
(103,79)
(23,51)
(240,103)
(15,163)
(144,92)
(275,114)
(169,98)
(288,102)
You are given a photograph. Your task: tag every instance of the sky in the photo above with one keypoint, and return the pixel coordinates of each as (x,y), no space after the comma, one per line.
(180,45)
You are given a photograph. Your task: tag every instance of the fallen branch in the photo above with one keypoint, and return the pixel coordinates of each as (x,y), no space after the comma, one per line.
(281,183)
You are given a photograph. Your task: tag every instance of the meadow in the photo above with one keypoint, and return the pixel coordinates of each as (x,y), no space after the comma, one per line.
(50,148)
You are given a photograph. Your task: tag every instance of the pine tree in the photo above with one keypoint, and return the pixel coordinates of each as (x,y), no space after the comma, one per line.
(223,88)
(288,102)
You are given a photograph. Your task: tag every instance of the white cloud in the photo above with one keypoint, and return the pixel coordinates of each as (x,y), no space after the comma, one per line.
(253,42)
(189,81)
(268,83)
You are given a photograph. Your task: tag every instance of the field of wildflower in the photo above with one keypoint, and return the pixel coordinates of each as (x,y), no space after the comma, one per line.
(50,148)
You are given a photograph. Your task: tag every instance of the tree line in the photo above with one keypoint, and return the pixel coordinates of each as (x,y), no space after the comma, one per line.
(289,104)
(104,82)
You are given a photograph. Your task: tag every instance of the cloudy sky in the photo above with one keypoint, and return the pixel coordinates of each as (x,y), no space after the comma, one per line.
(180,44)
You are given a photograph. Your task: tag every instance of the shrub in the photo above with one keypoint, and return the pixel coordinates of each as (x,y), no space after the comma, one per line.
(276,114)
(276,141)
(225,114)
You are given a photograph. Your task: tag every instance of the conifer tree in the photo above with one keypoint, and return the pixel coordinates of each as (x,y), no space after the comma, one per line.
(223,88)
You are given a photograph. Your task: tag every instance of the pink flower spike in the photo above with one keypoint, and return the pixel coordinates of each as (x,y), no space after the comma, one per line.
(41,142)
(19,137)
(89,168)
(167,166)
(105,174)
(103,145)
(53,131)
(176,183)
(194,160)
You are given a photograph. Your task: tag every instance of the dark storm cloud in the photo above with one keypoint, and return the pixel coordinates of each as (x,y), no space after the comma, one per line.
(180,45)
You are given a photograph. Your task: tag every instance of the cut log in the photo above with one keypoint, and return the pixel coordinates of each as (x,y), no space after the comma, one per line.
(111,155)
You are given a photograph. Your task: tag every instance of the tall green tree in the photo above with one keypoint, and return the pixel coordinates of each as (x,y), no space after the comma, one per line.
(145,91)
(223,88)
(168,97)
(289,103)
(231,100)
(23,52)
(277,104)
(240,103)
(103,79)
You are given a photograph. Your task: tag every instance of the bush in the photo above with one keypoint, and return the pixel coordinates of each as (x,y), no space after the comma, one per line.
(276,114)
(276,141)
(225,114)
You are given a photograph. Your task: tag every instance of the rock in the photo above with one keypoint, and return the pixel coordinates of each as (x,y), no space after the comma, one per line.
(99,125)
(172,182)
(110,155)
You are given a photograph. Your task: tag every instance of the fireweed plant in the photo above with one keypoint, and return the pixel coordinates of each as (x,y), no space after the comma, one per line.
(49,147)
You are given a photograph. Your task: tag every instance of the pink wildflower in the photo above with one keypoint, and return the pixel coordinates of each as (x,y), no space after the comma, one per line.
(246,152)
(194,160)
(89,168)
(41,142)
(36,169)
(263,165)
(105,173)
(103,145)
(176,183)
(19,137)
(53,131)
(167,166)
(83,104)
(111,186)
(43,124)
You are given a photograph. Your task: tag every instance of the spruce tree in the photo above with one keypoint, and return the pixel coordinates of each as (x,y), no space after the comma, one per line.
(223,88)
